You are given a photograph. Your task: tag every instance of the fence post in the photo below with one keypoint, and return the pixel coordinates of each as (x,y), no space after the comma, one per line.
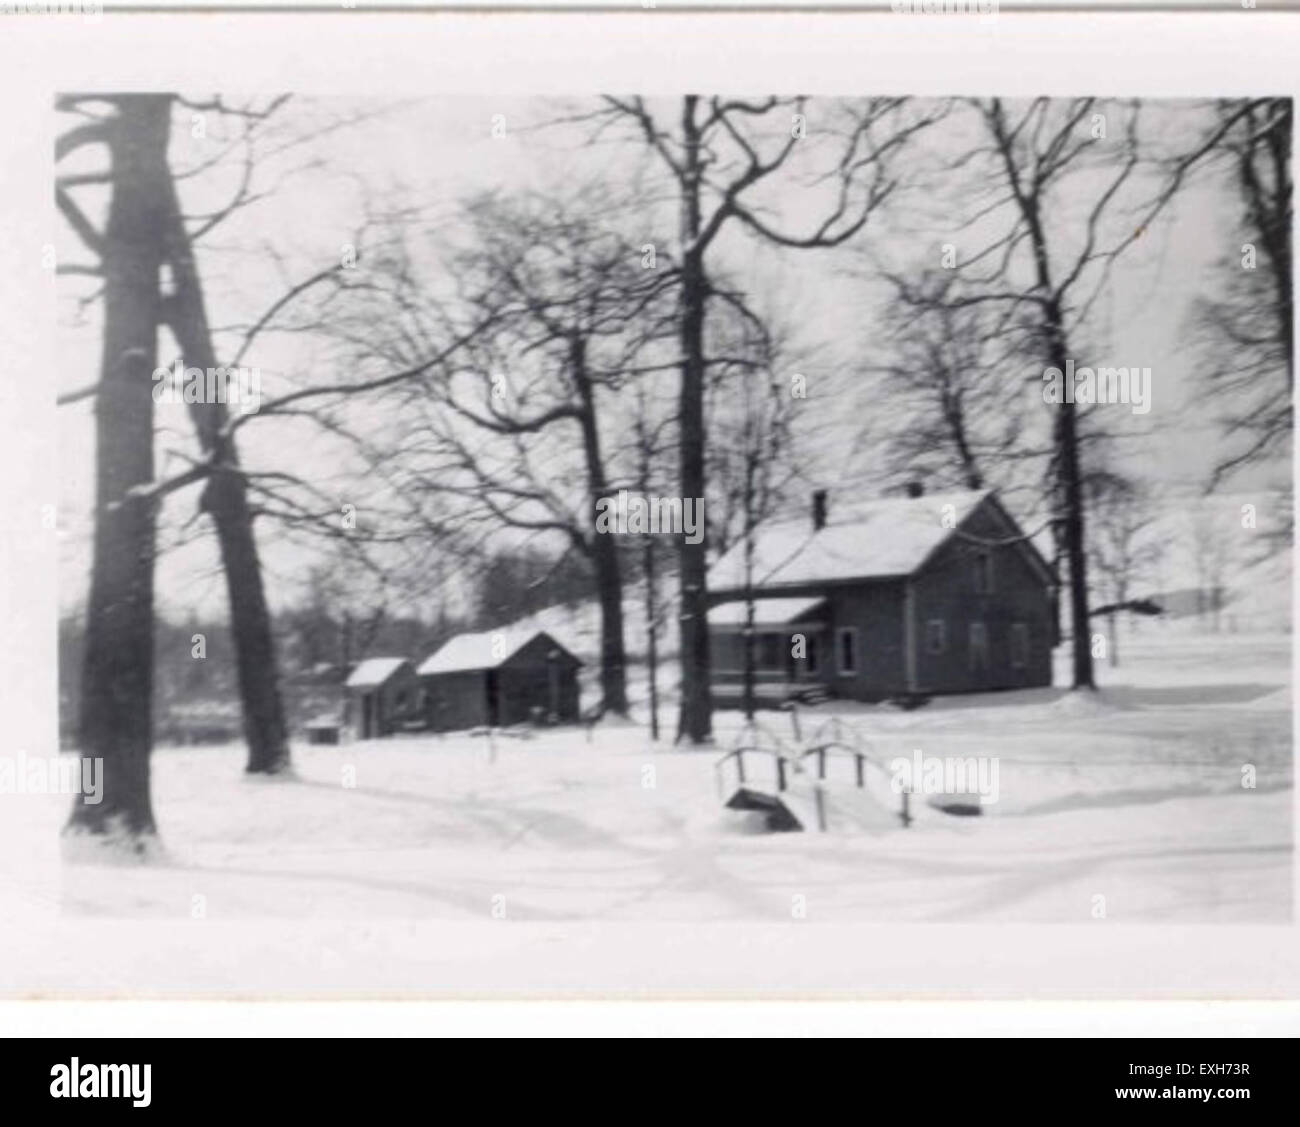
(740,765)
(857,762)
(780,773)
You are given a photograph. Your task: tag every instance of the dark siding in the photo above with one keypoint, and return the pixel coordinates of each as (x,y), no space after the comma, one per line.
(525,683)
(946,589)
(874,608)
(876,611)
(727,651)
(395,701)
(453,701)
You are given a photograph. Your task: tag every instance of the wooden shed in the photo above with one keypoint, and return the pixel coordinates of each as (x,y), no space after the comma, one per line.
(498,678)
(383,694)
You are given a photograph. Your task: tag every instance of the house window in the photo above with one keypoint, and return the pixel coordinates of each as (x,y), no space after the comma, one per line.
(846,646)
(979,647)
(1019,645)
(769,651)
(810,652)
(936,636)
(984,572)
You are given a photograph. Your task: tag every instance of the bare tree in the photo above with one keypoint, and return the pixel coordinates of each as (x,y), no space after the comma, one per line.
(1210,554)
(1247,323)
(568,315)
(225,500)
(1063,190)
(1122,550)
(182,309)
(957,424)
(717,154)
(649,446)
(751,456)
(117,674)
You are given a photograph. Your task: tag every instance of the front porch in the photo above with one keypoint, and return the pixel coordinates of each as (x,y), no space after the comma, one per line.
(790,647)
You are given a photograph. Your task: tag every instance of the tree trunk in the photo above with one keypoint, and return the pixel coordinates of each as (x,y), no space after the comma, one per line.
(1067,451)
(1069,483)
(648,577)
(609,591)
(116,724)
(1069,478)
(751,672)
(652,632)
(1269,209)
(1113,625)
(259,688)
(956,420)
(695,720)
(225,499)
(604,549)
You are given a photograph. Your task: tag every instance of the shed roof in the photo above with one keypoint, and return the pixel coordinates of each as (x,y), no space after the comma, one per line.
(889,537)
(767,612)
(488,649)
(374,671)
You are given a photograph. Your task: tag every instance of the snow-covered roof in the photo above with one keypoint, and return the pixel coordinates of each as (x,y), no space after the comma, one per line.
(206,710)
(374,671)
(767,612)
(325,720)
(875,540)
(485,650)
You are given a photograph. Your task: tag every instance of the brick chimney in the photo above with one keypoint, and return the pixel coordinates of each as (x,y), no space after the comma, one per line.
(819,509)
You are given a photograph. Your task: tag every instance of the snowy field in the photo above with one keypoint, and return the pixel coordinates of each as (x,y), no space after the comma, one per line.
(1134,795)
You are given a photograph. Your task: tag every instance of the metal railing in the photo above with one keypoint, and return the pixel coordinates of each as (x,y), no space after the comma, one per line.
(833,739)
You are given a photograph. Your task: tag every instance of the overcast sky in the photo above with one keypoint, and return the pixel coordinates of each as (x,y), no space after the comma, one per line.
(431,154)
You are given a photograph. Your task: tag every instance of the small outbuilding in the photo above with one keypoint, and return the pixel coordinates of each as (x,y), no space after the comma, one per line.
(323,730)
(498,678)
(383,696)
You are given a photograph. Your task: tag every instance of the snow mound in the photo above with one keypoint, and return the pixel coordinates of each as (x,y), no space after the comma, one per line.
(117,847)
(1087,702)
(261,778)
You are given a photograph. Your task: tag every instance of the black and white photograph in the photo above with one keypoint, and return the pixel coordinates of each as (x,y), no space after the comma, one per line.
(675,504)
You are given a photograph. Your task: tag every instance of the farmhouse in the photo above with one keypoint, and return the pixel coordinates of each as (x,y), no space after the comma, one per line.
(498,678)
(901,597)
(382,696)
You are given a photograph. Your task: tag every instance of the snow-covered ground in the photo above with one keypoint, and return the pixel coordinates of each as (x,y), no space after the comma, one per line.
(1135,796)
